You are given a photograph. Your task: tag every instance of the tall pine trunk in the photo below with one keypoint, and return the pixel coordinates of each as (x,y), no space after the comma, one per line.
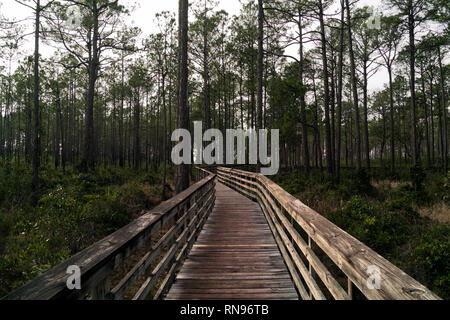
(36,145)
(339,93)
(182,171)
(305,143)
(355,89)
(327,90)
(412,62)
(444,112)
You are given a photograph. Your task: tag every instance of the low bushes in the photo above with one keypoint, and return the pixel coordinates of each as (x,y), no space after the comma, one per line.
(384,216)
(70,216)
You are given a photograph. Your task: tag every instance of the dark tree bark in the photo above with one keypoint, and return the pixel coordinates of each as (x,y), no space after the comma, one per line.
(391,102)
(182,171)
(121,115)
(137,123)
(36,145)
(305,143)
(366,115)
(206,81)
(327,90)
(88,161)
(260,66)
(355,88)
(444,112)
(163,87)
(58,133)
(433,142)
(339,93)
(412,66)
(427,129)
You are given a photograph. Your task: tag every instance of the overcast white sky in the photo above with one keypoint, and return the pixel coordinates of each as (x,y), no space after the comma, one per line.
(144,15)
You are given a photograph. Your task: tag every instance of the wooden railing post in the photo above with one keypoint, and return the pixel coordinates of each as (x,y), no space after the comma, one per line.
(101,291)
(183,215)
(350,255)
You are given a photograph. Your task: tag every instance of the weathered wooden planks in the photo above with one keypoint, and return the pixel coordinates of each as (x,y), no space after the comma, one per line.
(235,256)
(351,256)
(185,213)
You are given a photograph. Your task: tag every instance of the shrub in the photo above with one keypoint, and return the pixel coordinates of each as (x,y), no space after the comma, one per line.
(380,227)
(446,188)
(418,177)
(433,255)
(132,197)
(74,211)
(361,183)
(102,216)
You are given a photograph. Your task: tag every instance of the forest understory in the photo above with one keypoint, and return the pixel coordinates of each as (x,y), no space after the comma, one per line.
(74,211)
(409,227)
(89,102)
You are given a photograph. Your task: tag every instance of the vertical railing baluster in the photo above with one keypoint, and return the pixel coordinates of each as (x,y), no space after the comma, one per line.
(350,288)
(101,290)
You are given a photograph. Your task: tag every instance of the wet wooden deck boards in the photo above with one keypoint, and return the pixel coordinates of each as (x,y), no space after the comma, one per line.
(235,257)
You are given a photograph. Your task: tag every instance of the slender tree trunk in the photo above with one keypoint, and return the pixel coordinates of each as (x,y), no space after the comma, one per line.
(137,122)
(318,148)
(57,151)
(182,171)
(260,66)
(89,143)
(327,90)
(1,126)
(339,94)
(36,146)
(433,143)
(163,85)
(383,143)
(28,135)
(355,88)
(241,94)
(366,117)
(206,85)
(391,102)
(412,62)
(427,129)
(121,115)
(441,147)
(305,143)
(444,112)
(333,109)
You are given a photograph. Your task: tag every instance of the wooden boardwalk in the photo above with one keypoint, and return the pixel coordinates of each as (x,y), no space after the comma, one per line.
(235,256)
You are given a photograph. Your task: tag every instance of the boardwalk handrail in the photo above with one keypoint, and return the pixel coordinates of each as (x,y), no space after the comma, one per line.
(201,173)
(299,230)
(180,219)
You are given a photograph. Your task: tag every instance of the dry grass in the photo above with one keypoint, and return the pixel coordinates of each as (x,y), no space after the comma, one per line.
(389,184)
(439,212)
(321,203)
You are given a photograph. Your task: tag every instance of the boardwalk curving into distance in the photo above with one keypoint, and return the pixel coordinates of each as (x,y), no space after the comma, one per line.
(235,256)
(236,249)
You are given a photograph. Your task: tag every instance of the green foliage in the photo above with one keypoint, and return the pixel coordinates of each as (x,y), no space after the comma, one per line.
(433,255)
(74,211)
(14,186)
(446,188)
(381,227)
(418,176)
(362,183)
(383,216)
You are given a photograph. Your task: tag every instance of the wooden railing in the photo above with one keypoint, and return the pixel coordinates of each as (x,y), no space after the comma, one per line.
(201,173)
(303,236)
(164,235)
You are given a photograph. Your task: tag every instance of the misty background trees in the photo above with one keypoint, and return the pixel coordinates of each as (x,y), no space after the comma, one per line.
(89,101)
(110,95)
